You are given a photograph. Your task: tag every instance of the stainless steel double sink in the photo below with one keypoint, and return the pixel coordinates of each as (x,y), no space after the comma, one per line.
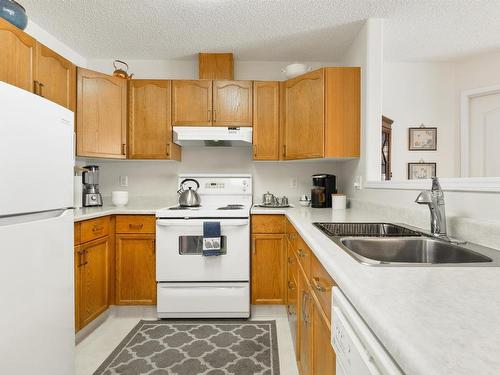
(386,244)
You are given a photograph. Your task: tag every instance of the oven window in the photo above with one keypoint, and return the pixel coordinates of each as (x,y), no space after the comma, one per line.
(193,245)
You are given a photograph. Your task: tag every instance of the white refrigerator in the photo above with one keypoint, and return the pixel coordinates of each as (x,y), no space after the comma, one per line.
(36,235)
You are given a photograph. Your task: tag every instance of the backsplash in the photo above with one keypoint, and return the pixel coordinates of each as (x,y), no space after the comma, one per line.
(482,232)
(159,178)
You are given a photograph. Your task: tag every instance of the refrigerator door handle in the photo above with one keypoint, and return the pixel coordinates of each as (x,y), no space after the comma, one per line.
(34,216)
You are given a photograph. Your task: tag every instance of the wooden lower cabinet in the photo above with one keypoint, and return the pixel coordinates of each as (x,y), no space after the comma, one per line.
(305,328)
(323,355)
(135,269)
(309,307)
(268,269)
(91,280)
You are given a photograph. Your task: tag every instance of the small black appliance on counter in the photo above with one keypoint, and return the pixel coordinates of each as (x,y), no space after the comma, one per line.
(324,185)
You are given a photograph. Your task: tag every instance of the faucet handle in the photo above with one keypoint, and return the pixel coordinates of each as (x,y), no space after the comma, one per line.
(425,197)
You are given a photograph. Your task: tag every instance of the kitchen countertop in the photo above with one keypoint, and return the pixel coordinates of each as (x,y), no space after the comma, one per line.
(135,206)
(432,320)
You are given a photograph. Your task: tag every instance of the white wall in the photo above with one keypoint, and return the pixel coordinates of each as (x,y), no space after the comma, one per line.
(55,44)
(159,178)
(416,93)
(188,69)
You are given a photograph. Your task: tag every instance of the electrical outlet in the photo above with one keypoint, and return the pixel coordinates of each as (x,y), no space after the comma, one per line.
(123,180)
(358,183)
(293,182)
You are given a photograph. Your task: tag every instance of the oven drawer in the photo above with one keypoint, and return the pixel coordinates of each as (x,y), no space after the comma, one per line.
(188,300)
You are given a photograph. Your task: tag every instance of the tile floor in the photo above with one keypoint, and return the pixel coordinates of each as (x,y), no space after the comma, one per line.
(96,347)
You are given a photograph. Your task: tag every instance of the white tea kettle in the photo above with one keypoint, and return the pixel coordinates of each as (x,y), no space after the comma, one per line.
(188,197)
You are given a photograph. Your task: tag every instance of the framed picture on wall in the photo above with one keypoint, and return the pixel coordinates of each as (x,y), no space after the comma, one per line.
(422,139)
(421,170)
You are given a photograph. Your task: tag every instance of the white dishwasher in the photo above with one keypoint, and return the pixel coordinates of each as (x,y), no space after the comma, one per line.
(357,349)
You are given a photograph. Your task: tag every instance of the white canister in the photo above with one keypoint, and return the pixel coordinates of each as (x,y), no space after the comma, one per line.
(339,201)
(119,198)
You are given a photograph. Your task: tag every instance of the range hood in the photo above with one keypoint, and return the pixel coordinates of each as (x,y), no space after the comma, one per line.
(212,136)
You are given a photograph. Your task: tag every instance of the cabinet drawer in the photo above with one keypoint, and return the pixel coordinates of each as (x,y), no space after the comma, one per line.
(77,234)
(268,224)
(95,228)
(304,255)
(135,224)
(322,284)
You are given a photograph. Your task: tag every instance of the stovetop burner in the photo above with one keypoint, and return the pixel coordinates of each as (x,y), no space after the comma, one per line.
(184,208)
(232,207)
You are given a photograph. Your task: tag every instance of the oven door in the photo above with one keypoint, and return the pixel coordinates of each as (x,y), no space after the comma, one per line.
(179,251)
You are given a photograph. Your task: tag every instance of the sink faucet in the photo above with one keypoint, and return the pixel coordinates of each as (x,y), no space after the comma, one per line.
(434,198)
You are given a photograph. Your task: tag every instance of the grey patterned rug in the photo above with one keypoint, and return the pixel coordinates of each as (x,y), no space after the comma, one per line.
(211,347)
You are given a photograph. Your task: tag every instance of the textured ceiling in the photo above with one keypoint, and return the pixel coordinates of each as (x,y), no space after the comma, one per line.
(268,30)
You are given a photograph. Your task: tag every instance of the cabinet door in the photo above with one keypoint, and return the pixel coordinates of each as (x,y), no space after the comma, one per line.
(150,128)
(268,269)
(304,116)
(305,326)
(94,297)
(192,103)
(266,120)
(17,56)
(101,115)
(78,285)
(323,357)
(292,293)
(232,103)
(56,77)
(135,269)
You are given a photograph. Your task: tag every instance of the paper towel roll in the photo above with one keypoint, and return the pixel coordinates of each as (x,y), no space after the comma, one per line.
(339,202)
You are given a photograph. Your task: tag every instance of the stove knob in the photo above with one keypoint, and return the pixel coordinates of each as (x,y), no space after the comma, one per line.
(93,197)
(244,189)
(245,183)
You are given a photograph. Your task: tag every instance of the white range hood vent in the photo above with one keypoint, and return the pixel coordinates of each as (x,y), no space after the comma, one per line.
(212,136)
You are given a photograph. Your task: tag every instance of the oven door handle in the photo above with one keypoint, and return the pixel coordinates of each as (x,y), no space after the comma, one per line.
(197,223)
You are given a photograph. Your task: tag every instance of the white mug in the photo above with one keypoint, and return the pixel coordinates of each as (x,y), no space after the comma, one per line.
(119,198)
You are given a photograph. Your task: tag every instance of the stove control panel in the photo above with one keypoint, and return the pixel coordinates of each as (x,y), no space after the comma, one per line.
(222,184)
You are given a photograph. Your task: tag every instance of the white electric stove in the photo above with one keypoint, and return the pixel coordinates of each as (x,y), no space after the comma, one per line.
(190,285)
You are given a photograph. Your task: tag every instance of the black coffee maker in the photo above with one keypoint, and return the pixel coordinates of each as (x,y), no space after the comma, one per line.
(324,185)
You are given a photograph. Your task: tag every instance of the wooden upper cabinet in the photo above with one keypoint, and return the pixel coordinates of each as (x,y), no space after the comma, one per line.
(232,103)
(322,114)
(101,115)
(342,112)
(215,65)
(266,120)
(304,122)
(192,103)
(56,77)
(17,56)
(149,125)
